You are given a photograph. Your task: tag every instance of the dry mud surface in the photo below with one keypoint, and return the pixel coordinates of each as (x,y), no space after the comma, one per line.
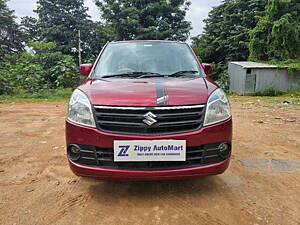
(262,185)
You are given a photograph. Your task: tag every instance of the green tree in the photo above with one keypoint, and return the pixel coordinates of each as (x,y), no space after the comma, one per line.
(59,22)
(277,34)
(10,35)
(99,35)
(146,19)
(226,34)
(29,28)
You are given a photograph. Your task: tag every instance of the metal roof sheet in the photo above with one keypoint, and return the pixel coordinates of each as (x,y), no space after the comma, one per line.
(255,65)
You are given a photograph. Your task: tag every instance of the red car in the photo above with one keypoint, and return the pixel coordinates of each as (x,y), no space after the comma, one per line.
(148,111)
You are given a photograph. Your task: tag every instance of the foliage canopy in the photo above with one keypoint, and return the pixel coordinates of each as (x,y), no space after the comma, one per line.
(145,19)
(277,34)
(226,34)
(40,68)
(59,22)
(236,30)
(10,35)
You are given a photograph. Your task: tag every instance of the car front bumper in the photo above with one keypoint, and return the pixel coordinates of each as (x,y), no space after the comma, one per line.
(77,134)
(167,174)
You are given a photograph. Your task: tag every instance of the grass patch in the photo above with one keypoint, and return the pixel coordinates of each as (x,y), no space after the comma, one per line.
(274,92)
(271,97)
(269,92)
(47,95)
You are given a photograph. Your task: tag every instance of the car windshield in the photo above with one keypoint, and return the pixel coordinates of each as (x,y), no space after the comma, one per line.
(136,58)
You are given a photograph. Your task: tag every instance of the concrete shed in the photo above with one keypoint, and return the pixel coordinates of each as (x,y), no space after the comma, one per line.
(250,77)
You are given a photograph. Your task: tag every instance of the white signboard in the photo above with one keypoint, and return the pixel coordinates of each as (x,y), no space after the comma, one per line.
(149,150)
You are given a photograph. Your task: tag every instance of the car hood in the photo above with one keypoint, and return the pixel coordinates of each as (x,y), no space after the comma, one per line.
(148,91)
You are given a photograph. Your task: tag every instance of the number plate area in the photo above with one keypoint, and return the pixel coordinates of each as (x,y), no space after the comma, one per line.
(149,150)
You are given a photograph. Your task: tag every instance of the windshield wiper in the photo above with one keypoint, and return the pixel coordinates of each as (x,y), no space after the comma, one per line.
(134,74)
(150,74)
(130,74)
(182,73)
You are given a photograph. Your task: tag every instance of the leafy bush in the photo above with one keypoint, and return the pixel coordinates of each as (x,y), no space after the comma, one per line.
(220,75)
(38,68)
(277,34)
(223,80)
(269,92)
(4,86)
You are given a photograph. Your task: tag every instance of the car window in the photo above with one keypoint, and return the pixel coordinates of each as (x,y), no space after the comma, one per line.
(156,57)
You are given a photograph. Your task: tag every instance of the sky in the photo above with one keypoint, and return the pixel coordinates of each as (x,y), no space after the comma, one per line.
(197,13)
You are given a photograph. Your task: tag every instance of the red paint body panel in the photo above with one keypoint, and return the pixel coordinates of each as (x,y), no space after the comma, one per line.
(141,92)
(186,91)
(114,174)
(85,69)
(120,92)
(207,69)
(221,132)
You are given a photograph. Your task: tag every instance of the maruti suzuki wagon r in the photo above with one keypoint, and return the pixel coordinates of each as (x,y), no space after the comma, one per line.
(148,110)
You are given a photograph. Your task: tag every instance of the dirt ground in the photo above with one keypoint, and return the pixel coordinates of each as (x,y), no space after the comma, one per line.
(262,185)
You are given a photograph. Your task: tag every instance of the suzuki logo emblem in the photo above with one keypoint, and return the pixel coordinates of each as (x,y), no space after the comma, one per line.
(150,118)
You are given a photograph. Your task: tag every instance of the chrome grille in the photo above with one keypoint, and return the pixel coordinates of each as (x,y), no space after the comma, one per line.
(149,120)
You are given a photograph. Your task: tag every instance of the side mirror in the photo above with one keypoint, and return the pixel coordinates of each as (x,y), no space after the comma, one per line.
(85,69)
(207,68)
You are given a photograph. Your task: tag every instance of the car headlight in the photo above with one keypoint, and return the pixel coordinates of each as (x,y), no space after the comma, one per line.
(218,108)
(80,110)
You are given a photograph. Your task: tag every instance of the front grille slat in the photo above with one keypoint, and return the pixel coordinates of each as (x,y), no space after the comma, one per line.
(105,159)
(129,120)
(195,151)
(194,158)
(86,151)
(179,123)
(88,158)
(115,123)
(103,114)
(104,152)
(180,114)
(210,156)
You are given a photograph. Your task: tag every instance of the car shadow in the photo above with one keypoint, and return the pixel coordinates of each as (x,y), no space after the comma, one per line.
(111,190)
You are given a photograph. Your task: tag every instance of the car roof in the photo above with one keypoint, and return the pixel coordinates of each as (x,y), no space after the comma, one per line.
(167,41)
